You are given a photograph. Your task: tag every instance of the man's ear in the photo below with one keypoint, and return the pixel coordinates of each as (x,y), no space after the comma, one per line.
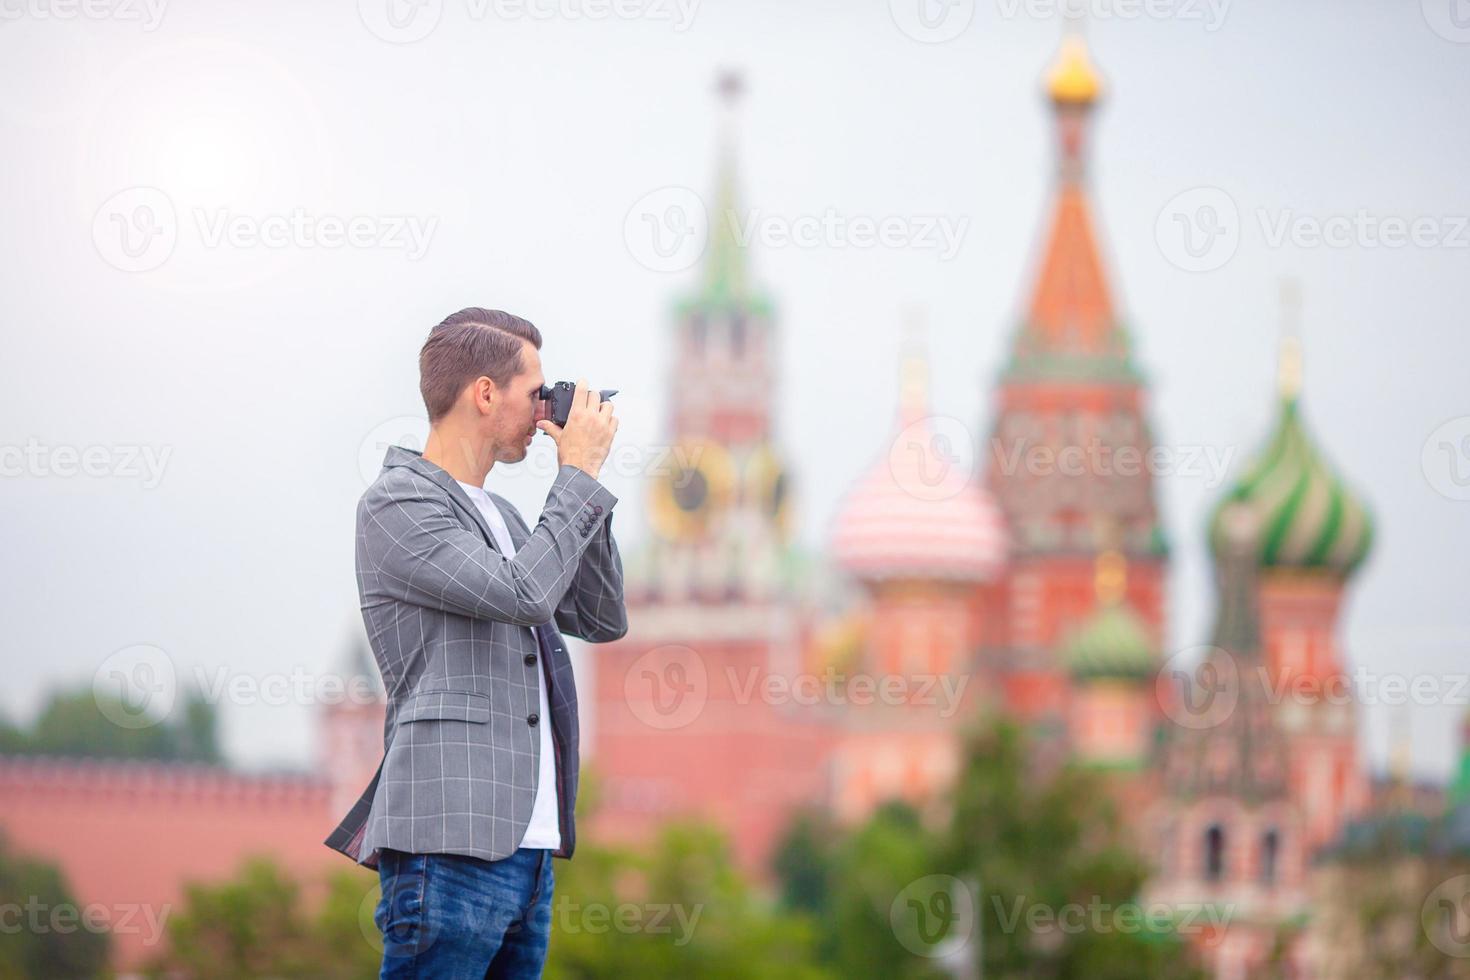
(486,395)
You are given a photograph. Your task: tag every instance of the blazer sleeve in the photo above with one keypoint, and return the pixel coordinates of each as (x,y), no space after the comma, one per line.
(594,608)
(414,549)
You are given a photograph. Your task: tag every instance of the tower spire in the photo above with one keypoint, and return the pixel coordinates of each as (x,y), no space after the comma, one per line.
(724,271)
(913,372)
(1289,358)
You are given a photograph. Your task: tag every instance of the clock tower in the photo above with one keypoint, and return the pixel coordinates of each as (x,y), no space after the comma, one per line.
(694,713)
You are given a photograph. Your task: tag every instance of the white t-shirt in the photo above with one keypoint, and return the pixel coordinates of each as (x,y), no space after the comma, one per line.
(544,830)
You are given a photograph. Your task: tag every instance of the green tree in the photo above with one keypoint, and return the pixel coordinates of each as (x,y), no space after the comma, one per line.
(80,723)
(257,925)
(42,932)
(1035,868)
(678,909)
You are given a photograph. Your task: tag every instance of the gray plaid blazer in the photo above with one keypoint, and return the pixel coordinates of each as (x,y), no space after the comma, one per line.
(448,618)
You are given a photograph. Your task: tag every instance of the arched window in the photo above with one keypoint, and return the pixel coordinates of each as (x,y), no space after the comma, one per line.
(1270,848)
(1214,852)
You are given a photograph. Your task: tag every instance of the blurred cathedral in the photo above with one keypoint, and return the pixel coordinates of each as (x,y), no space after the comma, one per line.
(1039,591)
(1044,586)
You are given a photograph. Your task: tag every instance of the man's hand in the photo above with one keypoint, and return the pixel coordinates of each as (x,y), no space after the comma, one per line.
(587,437)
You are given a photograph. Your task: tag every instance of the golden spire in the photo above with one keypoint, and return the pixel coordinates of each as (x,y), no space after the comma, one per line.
(1072,79)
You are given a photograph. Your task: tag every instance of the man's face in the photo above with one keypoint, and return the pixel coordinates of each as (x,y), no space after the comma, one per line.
(520,408)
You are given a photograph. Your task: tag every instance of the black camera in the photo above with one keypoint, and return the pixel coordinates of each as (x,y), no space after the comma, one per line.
(558,399)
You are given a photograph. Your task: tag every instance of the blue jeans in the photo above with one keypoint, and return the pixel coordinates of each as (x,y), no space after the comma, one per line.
(453,916)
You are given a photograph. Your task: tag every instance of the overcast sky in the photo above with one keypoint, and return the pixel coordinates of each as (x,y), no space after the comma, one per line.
(230,371)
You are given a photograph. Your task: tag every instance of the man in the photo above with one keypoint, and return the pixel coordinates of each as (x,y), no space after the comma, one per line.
(465,609)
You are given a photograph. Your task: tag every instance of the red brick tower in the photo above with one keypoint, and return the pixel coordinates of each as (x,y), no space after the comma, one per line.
(1068,454)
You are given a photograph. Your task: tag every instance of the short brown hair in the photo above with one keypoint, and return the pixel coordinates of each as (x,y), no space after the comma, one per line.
(472,343)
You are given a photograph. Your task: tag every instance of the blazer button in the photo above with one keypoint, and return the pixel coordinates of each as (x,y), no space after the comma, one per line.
(532,719)
(597,509)
(530,660)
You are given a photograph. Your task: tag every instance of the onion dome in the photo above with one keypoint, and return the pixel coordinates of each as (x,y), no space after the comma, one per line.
(1307,517)
(1114,642)
(1072,79)
(916,515)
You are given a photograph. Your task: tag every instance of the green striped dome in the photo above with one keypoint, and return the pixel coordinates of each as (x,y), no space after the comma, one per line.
(1307,517)
(1113,642)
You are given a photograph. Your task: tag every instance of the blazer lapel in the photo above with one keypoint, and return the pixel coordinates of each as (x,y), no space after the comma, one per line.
(398,456)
